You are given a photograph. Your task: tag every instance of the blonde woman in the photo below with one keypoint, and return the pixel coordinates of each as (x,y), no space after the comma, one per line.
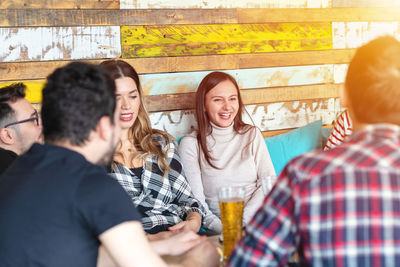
(146,162)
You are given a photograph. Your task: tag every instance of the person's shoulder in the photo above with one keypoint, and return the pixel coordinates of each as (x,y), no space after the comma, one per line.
(97,177)
(189,139)
(318,162)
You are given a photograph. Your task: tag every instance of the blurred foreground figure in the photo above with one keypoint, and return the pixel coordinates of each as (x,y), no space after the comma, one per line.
(341,207)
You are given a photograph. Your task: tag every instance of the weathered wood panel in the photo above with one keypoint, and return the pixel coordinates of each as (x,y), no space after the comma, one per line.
(40,69)
(251,80)
(277,132)
(259,15)
(102,17)
(99,4)
(224,3)
(365,3)
(355,34)
(55,43)
(295,58)
(186,82)
(250,96)
(274,116)
(151,41)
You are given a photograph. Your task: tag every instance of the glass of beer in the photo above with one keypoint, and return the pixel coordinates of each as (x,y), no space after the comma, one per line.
(267,183)
(231,202)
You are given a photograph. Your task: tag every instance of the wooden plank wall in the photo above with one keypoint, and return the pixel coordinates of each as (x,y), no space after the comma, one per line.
(288,56)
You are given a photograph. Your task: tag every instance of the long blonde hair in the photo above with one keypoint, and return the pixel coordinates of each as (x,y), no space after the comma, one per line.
(141,134)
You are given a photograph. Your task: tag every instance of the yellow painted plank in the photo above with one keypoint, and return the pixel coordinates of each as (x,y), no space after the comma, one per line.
(33,89)
(177,40)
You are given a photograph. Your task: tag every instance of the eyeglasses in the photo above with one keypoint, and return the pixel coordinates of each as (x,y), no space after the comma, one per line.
(35,118)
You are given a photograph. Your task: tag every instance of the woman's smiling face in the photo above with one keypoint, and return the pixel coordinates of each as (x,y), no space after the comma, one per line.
(222,104)
(128,101)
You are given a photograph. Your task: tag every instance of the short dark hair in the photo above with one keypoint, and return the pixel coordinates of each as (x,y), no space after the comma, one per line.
(10,93)
(75,97)
(373,82)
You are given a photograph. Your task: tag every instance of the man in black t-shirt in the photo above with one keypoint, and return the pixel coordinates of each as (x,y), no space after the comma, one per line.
(19,124)
(57,206)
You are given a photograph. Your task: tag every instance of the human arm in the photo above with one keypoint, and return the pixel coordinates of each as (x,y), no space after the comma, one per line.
(188,150)
(264,167)
(341,129)
(175,243)
(190,208)
(192,222)
(119,242)
(123,239)
(270,236)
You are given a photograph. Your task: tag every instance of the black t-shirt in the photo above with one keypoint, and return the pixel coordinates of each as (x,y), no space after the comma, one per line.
(6,158)
(54,205)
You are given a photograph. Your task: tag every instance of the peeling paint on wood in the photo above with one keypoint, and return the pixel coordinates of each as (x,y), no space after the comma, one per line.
(55,43)
(125,4)
(274,116)
(151,41)
(186,82)
(40,69)
(277,116)
(355,34)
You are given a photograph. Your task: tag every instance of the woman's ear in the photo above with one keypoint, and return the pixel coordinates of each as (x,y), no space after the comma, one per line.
(7,136)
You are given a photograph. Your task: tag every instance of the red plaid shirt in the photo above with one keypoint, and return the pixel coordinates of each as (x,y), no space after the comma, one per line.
(335,208)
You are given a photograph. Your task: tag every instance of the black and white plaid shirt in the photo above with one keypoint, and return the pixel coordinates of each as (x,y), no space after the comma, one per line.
(163,202)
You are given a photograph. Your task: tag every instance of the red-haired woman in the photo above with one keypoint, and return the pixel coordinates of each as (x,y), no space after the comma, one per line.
(224,150)
(146,162)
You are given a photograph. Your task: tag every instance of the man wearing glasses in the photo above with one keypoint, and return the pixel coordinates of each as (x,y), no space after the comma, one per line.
(20,125)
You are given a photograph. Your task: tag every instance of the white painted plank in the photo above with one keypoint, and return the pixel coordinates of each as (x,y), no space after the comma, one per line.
(355,34)
(274,116)
(339,72)
(186,82)
(277,116)
(154,4)
(55,43)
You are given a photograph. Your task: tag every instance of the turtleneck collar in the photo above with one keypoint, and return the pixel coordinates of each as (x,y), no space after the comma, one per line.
(216,130)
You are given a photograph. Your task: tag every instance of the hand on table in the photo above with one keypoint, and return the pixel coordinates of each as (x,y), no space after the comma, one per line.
(192,222)
(160,235)
(176,243)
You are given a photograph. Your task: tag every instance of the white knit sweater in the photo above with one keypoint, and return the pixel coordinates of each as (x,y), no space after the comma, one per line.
(243,160)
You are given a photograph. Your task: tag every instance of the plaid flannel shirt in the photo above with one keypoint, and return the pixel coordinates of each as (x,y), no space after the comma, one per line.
(162,201)
(335,208)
